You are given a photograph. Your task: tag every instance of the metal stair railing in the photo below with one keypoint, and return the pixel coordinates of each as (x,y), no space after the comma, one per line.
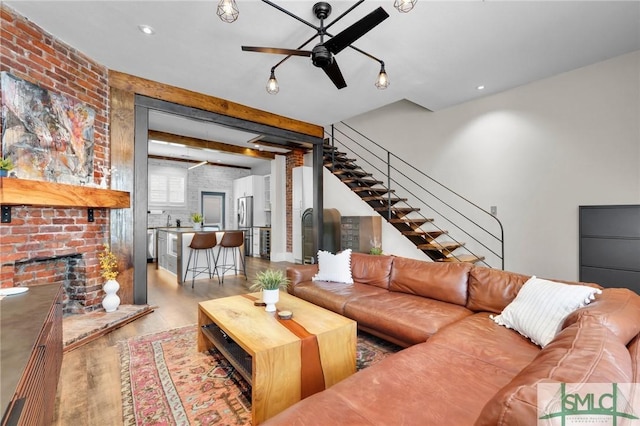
(463,217)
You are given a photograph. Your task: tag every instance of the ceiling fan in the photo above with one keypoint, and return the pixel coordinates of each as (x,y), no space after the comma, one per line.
(322,54)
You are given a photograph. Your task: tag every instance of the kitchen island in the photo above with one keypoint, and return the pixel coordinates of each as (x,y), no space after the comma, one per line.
(172,251)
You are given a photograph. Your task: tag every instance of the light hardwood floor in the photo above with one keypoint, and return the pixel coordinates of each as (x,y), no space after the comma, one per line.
(89,386)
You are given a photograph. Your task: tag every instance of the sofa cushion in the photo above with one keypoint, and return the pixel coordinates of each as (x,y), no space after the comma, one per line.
(491,290)
(334,267)
(541,306)
(424,385)
(371,270)
(616,308)
(585,352)
(332,295)
(437,280)
(410,319)
(480,337)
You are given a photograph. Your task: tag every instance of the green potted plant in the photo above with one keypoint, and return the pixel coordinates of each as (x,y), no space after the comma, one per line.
(270,282)
(197,219)
(6,165)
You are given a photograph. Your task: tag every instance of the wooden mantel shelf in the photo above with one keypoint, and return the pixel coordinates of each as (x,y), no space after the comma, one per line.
(14,191)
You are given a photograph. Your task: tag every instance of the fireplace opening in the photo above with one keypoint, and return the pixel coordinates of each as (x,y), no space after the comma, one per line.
(68,270)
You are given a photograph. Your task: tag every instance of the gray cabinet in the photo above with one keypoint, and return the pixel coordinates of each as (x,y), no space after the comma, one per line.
(610,245)
(162,249)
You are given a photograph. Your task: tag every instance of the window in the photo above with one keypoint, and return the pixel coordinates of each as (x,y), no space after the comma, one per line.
(167,186)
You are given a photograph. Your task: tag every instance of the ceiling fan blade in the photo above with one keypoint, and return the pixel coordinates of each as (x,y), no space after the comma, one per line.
(277,50)
(344,38)
(333,71)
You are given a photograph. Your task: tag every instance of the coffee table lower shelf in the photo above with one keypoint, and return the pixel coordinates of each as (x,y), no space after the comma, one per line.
(233,352)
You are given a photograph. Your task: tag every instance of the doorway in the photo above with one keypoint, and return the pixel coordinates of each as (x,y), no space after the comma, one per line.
(213,208)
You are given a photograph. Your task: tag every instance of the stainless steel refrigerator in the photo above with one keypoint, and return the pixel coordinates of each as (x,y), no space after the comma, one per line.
(245,222)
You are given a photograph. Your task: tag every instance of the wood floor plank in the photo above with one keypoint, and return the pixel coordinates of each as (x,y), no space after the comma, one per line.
(89,386)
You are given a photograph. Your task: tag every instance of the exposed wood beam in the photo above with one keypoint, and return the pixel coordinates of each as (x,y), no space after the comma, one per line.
(201,143)
(204,102)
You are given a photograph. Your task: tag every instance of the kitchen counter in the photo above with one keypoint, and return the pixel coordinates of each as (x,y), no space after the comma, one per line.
(172,249)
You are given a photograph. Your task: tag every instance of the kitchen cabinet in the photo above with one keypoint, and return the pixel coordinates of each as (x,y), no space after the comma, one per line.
(255,252)
(302,200)
(267,193)
(161,253)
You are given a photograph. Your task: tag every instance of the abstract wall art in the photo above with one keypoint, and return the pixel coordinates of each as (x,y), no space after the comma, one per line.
(48,136)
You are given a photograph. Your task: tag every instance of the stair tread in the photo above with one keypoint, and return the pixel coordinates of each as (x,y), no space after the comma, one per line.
(361,173)
(369,189)
(463,258)
(410,221)
(440,245)
(423,233)
(370,182)
(383,198)
(398,209)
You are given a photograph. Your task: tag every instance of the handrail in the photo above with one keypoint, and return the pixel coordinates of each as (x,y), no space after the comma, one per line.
(387,161)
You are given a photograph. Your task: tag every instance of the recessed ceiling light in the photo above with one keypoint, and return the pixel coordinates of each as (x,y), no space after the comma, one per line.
(481,87)
(146,29)
(256,146)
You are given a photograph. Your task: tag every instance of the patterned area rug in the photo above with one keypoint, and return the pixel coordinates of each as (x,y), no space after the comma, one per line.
(165,381)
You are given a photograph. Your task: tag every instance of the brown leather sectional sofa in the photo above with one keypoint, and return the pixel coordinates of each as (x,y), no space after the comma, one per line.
(459,367)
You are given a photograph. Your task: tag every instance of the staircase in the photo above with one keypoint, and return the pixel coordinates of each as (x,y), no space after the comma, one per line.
(408,219)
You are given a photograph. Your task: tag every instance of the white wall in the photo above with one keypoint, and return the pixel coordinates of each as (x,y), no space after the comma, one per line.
(537,152)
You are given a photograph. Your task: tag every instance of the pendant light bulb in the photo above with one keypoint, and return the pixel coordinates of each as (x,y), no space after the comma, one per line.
(404,6)
(228,10)
(383,80)
(272,85)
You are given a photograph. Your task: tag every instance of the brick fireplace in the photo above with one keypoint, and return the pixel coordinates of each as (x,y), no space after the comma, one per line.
(55,245)
(45,245)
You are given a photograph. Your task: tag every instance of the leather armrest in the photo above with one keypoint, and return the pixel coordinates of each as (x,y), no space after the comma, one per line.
(299,274)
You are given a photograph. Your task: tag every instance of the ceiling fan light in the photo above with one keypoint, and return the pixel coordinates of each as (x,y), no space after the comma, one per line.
(404,6)
(383,80)
(228,10)
(272,85)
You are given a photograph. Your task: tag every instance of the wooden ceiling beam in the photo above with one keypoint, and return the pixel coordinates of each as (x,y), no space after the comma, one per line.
(201,143)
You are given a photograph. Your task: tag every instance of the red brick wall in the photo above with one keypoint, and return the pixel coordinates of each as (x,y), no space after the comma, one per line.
(28,52)
(294,159)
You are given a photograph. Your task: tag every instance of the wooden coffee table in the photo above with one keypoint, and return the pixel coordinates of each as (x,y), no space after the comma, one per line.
(283,360)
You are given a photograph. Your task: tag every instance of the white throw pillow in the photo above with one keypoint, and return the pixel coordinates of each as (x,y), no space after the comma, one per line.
(541,307)
(334,267)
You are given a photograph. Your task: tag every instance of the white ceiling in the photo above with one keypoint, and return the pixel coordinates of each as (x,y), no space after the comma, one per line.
(435,56)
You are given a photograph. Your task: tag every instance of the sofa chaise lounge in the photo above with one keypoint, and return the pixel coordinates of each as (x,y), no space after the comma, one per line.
(460,367)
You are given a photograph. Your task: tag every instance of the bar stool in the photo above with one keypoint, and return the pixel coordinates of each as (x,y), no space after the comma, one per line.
(231,240)
(202,241)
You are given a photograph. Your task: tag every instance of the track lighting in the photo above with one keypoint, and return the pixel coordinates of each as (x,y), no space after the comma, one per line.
(228,10)
(404,6)
(272,85)
(198,165)
(383,80)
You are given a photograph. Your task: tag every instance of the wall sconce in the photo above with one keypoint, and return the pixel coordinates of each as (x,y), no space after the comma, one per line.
(383,80)
(272,85)
(404,6)
(228,10)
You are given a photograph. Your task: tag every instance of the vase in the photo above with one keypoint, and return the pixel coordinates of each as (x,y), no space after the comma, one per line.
(4,173)
(197,226)
(111,300)
(270,298)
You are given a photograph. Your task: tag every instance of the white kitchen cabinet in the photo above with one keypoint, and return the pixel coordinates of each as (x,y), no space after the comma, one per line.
(256,242)
(267,193)
(302,200)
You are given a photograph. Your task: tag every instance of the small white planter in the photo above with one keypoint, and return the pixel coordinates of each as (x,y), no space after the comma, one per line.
(270,297)
(111,300)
